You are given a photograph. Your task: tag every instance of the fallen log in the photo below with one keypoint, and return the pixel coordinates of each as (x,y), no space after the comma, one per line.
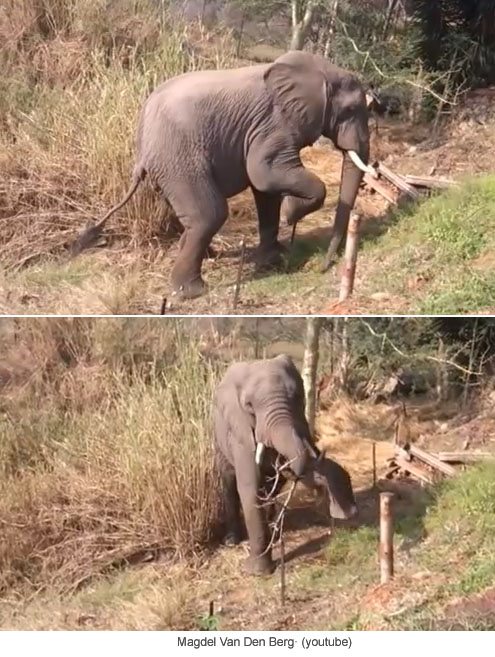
(391,470)
(463,457)
(403,452)
(380,188)
(431,460)
(415,470)
(397,180)
(429,183)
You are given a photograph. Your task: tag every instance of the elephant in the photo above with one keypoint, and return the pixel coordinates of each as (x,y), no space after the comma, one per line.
(259,416)
(205,136)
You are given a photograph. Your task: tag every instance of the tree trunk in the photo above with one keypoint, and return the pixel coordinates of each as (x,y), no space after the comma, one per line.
(442,374)
(310,365)
(302,19)
(392,6)
(345,357)
(240,35)
(331,29)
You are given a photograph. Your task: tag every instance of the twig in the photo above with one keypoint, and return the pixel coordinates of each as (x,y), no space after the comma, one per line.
(367,56)
(282,564)
(293,234)
(289,255)
(237,288)
(278,524)
(163,309)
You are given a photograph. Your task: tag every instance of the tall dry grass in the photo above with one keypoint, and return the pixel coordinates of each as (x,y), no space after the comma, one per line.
(74,75)
(105,448)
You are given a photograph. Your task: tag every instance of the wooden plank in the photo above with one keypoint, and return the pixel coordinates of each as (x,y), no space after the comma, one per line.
(427,181)
(415,470)
(379,187)
(398,181)
(465,457)
(403,452)
(432,461)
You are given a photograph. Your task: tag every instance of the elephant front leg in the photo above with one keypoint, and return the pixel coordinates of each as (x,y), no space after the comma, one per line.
(260,560)
(303,192)
(270,251)
(232,508)
(271,490)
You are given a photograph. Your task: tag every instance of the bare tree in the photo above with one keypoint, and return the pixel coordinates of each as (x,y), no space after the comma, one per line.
(303,14)
(310,365)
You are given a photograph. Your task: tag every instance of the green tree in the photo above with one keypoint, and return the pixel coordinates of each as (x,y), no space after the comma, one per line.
(458,34)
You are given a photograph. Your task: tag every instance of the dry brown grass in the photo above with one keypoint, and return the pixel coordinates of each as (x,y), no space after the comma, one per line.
(75,76)
(105,449)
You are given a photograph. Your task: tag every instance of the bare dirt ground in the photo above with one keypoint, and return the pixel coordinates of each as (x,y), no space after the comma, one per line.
(119,280)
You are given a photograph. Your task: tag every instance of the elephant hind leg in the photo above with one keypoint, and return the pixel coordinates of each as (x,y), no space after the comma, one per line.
(202,210)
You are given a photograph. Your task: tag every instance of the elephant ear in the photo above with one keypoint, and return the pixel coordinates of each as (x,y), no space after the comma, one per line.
(301,93)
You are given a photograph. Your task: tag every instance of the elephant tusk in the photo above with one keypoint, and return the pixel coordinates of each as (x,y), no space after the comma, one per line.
(260,448)
(365,168)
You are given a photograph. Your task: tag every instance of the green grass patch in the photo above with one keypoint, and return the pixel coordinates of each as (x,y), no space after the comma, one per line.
(439,241)
(465,293)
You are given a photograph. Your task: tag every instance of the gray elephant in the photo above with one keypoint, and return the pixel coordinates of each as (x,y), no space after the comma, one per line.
(206,136)
(259,415)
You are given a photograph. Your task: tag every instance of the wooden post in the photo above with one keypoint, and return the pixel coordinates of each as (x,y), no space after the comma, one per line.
(386,538)
(350,258)
(373,456)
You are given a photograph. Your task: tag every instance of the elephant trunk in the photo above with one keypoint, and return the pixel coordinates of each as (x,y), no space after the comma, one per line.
(349,186)
(276,430)
(324,473)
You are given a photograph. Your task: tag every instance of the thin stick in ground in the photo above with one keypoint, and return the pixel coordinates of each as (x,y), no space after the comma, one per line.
(291,247)
(373,458)
(238,282)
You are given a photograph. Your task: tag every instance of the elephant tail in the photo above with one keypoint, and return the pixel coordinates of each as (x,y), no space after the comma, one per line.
(93,232)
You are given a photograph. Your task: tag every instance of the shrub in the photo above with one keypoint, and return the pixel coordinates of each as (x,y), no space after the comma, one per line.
(105,450)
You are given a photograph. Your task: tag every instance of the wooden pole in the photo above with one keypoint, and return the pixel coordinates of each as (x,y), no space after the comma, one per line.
(386,538)
(350,258)
(373,456)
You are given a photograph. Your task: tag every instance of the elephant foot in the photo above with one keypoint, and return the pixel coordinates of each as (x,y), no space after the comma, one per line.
(328,261)
(259,566)
(330,258)
(190,289)
(231,539)
(270,258)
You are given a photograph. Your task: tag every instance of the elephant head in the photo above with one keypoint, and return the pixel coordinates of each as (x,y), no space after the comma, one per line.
(276,400)
(318,98)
